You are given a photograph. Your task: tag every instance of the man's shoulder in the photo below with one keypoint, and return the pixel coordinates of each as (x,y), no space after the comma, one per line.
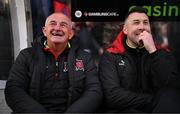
(28,49)
(26,52)
(82,51)
(84,54)
(110,56)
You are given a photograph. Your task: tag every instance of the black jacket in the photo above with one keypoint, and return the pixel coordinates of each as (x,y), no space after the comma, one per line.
(23,86)
(129,85)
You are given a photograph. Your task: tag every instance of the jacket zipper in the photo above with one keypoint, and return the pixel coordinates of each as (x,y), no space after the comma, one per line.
(57,69)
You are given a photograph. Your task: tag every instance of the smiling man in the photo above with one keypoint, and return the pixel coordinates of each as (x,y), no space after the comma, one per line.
(55,75)
(136,75)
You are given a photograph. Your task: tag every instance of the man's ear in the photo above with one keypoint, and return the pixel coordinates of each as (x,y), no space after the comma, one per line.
(71,34)
(124,29)
(44,31)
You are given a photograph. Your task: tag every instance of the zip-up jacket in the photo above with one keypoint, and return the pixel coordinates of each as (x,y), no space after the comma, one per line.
(130,82)
(25,82)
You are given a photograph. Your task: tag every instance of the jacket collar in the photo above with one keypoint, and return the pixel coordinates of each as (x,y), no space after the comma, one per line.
(117,46)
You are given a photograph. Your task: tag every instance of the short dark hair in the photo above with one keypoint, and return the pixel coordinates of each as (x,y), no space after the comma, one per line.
(138,9)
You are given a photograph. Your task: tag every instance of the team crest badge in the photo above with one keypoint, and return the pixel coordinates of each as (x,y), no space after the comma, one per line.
(79,65)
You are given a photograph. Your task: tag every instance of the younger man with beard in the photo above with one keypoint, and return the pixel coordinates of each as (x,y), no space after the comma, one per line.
(136,75)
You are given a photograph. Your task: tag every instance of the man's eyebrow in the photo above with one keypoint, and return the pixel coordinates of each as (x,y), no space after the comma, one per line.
(52,21)
(63,22)
(146,20)
(135,20)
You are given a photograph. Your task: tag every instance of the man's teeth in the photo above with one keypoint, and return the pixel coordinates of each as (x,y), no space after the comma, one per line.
(56,34)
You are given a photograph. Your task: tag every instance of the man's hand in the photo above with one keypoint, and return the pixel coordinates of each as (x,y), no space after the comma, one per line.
(146,39)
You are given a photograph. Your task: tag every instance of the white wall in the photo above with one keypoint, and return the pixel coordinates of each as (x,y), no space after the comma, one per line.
(19,25)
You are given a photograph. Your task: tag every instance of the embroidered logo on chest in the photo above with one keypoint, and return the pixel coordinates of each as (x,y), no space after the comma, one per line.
(79,65)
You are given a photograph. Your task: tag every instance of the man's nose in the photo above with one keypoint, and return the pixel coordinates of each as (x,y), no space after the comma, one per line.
(141,26)
(57,27)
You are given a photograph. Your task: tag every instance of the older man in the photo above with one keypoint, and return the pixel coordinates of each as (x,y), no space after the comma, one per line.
(54,75)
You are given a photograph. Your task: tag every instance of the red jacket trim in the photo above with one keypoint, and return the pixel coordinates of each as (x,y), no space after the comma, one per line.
(117,45)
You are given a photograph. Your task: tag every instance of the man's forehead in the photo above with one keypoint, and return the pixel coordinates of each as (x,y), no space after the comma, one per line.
(59,17)
(137,16)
